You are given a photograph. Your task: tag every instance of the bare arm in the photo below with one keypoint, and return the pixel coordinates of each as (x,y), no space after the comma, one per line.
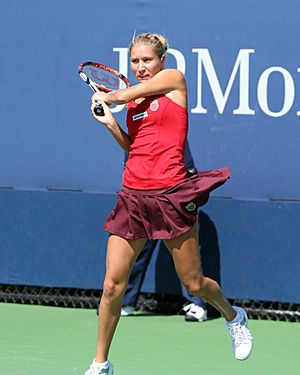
(169,81)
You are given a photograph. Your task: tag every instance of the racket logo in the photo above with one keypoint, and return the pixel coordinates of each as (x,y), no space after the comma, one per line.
(104,78)
(154,105)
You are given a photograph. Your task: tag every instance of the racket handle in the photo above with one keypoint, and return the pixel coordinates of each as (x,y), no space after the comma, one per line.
(98,110)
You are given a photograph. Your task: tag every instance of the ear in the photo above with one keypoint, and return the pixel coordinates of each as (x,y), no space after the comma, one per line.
(163,60)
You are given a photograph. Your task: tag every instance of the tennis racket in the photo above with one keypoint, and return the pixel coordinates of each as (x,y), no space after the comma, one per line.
(102,78)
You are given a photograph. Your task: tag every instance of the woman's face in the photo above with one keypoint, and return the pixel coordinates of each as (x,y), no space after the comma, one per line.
(144,62)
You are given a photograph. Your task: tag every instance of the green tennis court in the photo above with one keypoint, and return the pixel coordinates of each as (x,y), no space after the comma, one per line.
(61,341)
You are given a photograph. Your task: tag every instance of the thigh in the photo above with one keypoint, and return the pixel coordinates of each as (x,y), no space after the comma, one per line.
(186,254)
(120,257)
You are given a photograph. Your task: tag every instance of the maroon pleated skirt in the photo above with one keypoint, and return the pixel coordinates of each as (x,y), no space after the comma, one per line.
(163,213)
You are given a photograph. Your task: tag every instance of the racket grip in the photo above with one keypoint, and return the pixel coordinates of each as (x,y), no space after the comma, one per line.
(98,110)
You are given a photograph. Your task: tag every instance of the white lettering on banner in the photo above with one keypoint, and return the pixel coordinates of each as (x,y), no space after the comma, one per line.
(289,90)
(179,57)
(298,112)
(242,63)
(123,68)
(241,69)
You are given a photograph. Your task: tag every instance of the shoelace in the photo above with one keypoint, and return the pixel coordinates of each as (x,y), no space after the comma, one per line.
(239,333)
(95,371)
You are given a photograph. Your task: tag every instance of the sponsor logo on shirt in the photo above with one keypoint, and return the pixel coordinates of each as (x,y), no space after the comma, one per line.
(139,116)
(154,105)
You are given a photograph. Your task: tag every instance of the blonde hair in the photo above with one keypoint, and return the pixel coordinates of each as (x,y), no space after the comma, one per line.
(157,41)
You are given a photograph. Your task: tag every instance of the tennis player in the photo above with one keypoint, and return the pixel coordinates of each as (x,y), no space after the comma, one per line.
(157,200)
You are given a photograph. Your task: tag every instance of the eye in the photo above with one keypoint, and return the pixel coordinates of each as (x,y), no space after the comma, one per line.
(134,61)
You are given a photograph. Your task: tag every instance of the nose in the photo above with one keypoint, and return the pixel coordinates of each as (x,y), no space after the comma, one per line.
(140,65)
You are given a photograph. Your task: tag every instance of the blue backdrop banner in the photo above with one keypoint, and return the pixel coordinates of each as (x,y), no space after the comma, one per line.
(242,67)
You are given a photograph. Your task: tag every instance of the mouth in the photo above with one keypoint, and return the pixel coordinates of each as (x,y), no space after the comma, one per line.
(143,78)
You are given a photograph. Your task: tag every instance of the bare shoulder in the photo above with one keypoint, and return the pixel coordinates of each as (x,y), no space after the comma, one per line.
(173,79)
(172,73)
(178,90)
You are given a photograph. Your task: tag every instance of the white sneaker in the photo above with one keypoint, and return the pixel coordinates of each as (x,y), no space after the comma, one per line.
(95,369)
(194,313)
(127,310)
(242,341)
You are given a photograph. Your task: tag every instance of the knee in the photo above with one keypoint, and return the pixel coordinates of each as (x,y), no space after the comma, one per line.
(202,286)
(113,289)
(195,285)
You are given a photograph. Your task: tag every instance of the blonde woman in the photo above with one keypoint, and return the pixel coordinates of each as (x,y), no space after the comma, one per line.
(157,200)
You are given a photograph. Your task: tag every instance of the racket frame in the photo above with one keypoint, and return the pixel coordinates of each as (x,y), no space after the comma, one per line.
(98,110)
(105,68)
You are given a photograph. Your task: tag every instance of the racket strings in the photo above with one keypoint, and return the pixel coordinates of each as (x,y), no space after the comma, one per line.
(104,78)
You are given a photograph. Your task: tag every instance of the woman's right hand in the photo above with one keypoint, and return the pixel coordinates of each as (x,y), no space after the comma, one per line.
(107,119)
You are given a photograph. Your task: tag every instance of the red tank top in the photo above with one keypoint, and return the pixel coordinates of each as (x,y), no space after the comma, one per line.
(158,130)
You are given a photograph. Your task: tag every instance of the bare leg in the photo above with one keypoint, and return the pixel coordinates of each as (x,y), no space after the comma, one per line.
(186,257)
(120,257)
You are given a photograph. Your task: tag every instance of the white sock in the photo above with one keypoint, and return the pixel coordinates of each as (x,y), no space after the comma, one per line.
(238,317)
(101,364)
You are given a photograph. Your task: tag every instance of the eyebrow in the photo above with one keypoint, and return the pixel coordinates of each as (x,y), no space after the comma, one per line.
(143,57)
